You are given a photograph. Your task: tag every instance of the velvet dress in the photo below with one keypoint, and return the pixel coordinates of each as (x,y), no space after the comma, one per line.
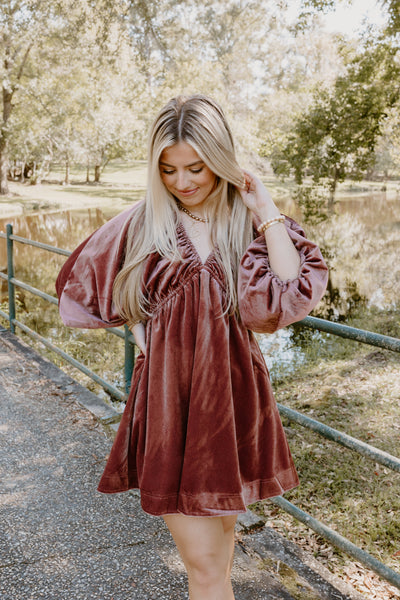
(200,433)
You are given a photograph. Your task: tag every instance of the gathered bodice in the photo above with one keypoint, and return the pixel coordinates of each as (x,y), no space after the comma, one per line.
(163,279)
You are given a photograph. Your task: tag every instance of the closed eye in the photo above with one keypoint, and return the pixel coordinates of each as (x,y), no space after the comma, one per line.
(172,171)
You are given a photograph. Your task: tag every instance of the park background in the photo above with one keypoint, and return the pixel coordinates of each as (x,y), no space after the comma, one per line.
(315,111)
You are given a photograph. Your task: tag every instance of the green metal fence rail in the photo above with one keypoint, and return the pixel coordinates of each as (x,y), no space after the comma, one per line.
(359,335)
(14,283)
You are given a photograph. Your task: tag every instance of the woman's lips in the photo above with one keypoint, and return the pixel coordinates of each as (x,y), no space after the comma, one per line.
(187,193)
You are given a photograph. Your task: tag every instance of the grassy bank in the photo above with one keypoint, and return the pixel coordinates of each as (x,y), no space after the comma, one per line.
(123,183)
(354,388)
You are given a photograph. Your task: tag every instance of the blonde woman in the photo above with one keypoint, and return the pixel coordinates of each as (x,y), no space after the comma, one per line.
(203,261)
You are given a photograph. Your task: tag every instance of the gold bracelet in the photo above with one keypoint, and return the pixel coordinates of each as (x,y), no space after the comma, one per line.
(262,228)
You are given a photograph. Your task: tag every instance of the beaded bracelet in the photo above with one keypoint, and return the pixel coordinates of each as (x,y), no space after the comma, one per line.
(266,224)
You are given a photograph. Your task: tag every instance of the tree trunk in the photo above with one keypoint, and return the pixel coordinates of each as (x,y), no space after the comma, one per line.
(39,173)
(332,192)
(7,107)
(66,180)
(8,90)
(97,173)
(88,173)
(3,169)
(36,177)
(331,200)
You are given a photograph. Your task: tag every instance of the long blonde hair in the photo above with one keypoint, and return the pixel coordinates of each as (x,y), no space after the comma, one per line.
(200,122)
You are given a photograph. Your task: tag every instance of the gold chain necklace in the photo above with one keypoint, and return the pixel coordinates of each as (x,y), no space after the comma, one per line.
(195,217)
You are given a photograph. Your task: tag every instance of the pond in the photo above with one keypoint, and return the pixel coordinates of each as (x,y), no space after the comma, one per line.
(361,243)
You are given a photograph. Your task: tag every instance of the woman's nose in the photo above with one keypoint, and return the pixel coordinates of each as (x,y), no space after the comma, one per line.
(182,180)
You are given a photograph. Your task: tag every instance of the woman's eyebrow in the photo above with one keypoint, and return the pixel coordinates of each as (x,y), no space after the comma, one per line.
(191,164)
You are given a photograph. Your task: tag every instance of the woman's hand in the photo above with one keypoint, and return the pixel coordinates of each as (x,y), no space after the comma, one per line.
(257,198)
(139,333)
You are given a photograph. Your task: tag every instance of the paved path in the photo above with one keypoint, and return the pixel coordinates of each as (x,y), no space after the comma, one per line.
(62,540)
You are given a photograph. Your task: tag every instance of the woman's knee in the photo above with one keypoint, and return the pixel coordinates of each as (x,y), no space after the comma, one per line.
(209,568)
(205,545)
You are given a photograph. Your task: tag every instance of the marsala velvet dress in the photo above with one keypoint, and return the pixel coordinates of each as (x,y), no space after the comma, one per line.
(201,432)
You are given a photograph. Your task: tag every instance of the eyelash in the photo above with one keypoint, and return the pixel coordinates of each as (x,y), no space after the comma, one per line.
(194,171)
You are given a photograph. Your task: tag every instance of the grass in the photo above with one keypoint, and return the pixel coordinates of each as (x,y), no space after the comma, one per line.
(356,389)
(116,173)
(121,184)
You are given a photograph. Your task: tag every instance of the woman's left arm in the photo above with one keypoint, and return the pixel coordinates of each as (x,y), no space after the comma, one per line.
(283,257)
(282,274)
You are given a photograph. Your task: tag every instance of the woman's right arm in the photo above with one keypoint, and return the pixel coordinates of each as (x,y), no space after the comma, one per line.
(85,283)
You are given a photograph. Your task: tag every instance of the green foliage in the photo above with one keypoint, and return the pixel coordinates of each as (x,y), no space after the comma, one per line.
(45,50)
(336,137)
(313,201)
(393,8)
(309,7)
(82,79)
(387,151)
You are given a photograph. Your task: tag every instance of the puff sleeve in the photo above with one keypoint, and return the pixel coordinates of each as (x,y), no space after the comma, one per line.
(85,282)
(266,303)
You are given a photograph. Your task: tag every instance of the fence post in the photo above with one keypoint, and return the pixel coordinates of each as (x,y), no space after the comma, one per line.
(10,275)
(129,359)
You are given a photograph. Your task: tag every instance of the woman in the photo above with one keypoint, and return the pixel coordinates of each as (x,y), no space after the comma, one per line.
(205,260)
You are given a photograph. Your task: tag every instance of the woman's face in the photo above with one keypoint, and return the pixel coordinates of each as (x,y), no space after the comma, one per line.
(186,176)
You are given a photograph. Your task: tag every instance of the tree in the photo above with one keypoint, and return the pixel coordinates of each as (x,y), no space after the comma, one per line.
(308,7)
(17,38)
(393,8)
(87,99)
(224,48)
(336,137)
(387,152)
(34,36)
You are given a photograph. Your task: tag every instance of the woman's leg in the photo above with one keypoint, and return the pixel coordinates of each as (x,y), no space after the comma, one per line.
(228,524)
(206,545)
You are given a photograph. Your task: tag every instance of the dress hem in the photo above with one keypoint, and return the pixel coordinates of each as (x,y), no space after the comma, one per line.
(206,503)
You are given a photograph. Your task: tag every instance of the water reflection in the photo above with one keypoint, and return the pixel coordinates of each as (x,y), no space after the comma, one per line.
(63,229)
(370,209)
(361,243)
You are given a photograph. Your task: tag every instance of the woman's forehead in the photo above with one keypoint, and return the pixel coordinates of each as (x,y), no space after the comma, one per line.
(181,154)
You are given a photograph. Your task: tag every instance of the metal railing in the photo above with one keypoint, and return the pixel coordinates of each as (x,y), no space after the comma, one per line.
(339,437)
(14,283)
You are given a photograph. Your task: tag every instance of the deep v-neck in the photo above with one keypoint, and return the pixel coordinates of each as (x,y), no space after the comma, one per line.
(193,246)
